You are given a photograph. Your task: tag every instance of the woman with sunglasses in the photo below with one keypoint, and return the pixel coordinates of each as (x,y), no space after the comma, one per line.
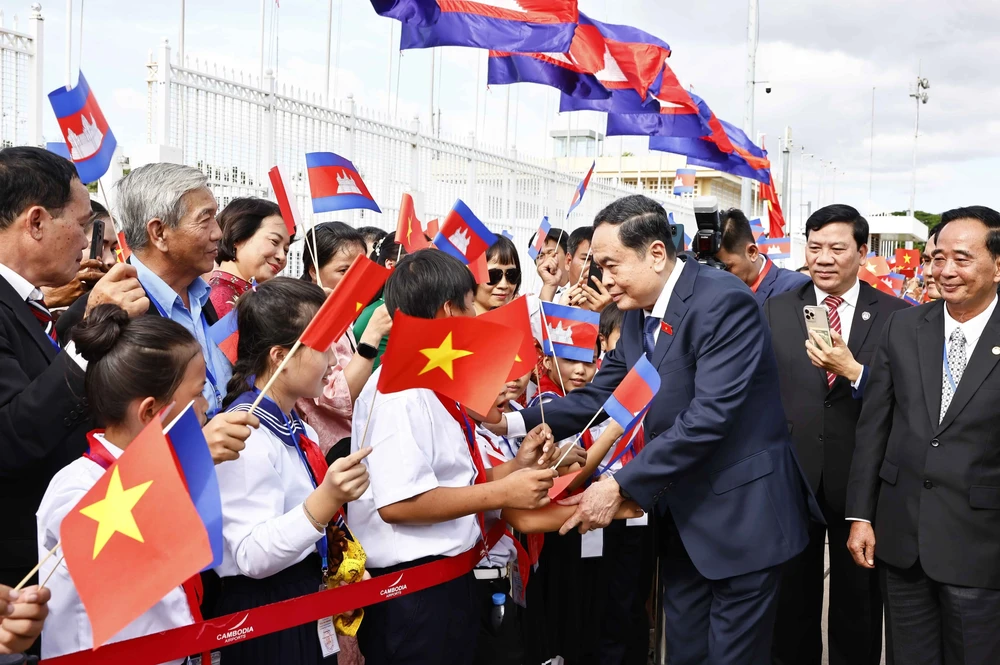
(504,276)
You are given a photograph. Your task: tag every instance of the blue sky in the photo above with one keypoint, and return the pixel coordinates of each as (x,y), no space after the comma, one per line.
(822,60)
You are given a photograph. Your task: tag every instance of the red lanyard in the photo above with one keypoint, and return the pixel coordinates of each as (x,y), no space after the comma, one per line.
(458,412)
(193,589)
(763,273)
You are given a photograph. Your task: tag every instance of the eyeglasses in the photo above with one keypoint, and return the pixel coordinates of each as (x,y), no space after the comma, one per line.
(513,276)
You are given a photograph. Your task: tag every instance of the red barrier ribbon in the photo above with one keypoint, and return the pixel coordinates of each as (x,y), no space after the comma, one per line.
(247,624)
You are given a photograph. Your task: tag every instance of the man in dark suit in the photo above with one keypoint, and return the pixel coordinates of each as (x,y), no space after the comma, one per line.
(718,466)
(924,489)
(821,389)
(743,258)
(43,413)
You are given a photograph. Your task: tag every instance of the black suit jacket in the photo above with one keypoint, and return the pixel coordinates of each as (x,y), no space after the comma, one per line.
(43,425)
(931,490)
(822,420)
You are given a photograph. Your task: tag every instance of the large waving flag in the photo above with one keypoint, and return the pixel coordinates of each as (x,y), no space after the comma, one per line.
(353,292)
(680,113)
(409,231)
(91,143)
(465,358)
(505,25)
(775,218)
(581,189)
(569,332)
(515,315)
(335,184)
(137,523)
(745,160)
(631,399)
(462,235)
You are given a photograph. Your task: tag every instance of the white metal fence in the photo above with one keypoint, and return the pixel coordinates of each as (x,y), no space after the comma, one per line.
(21,81)
(234,129)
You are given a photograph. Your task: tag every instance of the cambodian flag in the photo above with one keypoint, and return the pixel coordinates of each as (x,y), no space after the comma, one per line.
(91,143)
(894,281)
(503,25)
(684,181)
(776,248)
(569,332)
(631,399)
(195,463)
(462,235)
(581,189)
(745,160)
(59,148)
(335,184)
(225,334)
(681,114)
(543,230)
(556,70)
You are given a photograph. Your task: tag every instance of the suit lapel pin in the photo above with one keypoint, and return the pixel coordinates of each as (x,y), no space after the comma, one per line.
(996,350)
(865,316)
(667,328)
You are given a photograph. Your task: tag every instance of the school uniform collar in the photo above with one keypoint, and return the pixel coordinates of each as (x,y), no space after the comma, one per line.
(286,428)
(98,435)
(25,290)
(166,297)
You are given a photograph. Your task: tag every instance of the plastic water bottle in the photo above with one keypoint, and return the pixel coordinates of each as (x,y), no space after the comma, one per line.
(496,614)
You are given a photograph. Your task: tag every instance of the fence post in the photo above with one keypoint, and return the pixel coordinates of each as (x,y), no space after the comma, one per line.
(471,187)
(36,28)
(415,154)
(270,111)
(352,142)
(163,96)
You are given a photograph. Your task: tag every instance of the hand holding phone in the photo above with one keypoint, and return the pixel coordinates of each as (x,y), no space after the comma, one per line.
(818,321)
(97,240)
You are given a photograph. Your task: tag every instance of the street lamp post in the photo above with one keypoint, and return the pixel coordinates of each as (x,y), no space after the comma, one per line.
(920,96)
(746,188)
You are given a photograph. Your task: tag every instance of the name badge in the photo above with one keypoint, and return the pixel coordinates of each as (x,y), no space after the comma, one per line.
(327,637)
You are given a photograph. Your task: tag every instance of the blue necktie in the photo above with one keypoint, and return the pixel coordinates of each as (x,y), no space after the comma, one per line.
(648,341)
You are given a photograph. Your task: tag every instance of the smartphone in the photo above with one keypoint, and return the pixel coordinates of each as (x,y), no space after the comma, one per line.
(596,275)
(818,320)
(97,240)
(677,235)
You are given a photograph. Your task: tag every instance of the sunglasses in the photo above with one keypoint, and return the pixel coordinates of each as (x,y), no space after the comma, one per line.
(513,276)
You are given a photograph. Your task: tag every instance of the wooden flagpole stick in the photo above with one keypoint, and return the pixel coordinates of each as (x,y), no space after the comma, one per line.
(51,573)
(548,333)
(100,188)
(541,403)
(399,255)
(20,585)
(576,440)
(314,252)
(368,422)
(270,381)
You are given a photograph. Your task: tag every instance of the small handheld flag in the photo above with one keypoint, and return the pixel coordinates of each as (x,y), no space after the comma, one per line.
(631,399)
(353,292)
(569,332)
(684,181)
(894,281)
(877,265)
(907,260)
(59,148)
(515,315)
(409,232)
(462,235)
(540,235)
(335,184)
(776,248)
(226,335)
(91,143)
(464,358)
(280,183)
(581,189)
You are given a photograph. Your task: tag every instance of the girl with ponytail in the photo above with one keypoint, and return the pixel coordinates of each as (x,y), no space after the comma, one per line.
(282,520)
(136,367)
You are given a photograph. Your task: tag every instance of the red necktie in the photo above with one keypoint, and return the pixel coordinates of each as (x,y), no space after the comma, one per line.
(457,411)
(832,303)
(195,593)
(44,317)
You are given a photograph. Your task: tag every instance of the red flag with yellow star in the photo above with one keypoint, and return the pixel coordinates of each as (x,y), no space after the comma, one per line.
(515,315)
(465,358)
(907,261)
(134,537)
(409,231)
(352,294)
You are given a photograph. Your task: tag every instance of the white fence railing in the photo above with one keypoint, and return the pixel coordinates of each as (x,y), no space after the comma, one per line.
(21,81)
(234,128)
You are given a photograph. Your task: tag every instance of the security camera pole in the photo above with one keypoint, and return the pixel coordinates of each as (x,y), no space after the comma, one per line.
(748,93)
(921,97)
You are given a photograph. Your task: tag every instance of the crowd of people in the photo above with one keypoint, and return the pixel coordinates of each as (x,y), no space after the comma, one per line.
(767,450)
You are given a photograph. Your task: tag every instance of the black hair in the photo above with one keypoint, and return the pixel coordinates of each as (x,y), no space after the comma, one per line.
(331,239)
(556,235)
(275,314)
(97,211)
(389,250)
(736,233)
(988,216)
(839,213)
(372,234)
(641,221)
(504,251)
(239,221)
(130,359)
(611,320)
(33,176)
(578,237)
(424,281)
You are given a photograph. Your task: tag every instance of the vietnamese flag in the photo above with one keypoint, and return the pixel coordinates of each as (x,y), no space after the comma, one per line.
(134,537)
(866,275)
(461,357)
(878,266)
(352,294)
(515,315)
(907,260)
(409,231)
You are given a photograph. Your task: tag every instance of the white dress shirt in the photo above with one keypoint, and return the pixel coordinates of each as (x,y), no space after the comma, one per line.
(67,628)
(846,311)
(417,446)
(972,329)
(263,524)
(25,291)
(496,450)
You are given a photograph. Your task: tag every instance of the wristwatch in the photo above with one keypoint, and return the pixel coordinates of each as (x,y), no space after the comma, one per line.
(367,351)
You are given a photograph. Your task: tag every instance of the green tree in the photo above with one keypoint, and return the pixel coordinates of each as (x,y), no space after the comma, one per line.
(930,219)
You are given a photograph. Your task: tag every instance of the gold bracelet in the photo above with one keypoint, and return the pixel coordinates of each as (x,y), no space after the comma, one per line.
(315,522)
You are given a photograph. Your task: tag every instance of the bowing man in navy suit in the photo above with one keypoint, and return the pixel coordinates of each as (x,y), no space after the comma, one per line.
(717,469)
(742,257)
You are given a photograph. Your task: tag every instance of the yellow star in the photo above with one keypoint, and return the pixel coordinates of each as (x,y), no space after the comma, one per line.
(113,513)
(517,358)
(357,306)
(871,266)
(906,258)
(443,358)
